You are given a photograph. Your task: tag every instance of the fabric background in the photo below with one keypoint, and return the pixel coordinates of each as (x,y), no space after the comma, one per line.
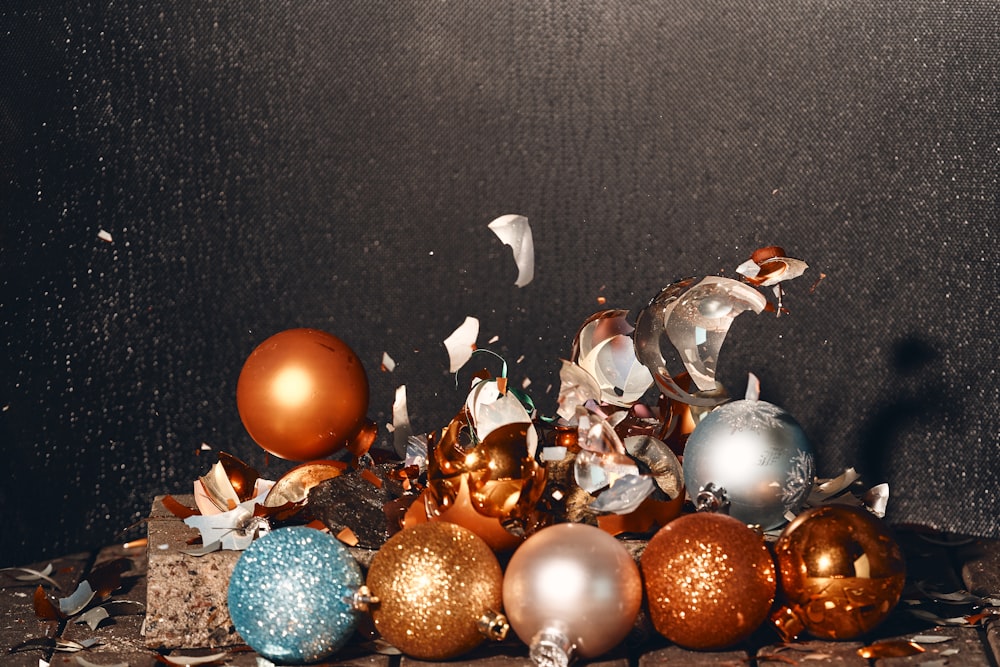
(267,165)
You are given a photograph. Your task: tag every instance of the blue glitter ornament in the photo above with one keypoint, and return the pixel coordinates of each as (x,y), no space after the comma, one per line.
(291,595)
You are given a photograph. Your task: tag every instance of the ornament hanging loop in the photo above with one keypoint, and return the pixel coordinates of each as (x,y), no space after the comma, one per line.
(711,498)
(493,625)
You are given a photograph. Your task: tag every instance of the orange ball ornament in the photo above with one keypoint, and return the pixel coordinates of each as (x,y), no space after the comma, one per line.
(302,394)
(841,572)
(710,581)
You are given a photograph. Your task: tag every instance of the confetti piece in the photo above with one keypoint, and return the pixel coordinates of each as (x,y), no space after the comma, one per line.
(890,649)
(514,231)
(105,236)
(388,363)
(348,537)
(461,343)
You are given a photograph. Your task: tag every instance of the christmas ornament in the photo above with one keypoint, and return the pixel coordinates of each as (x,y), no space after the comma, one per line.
(571,590)
(603,348)
(302,394)
(841,572)
(709,580)
(439,591)
(461,512)
(751,460)
(290,595)
(685,326)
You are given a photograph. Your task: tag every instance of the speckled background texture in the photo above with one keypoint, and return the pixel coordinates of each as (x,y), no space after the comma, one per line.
(266,165)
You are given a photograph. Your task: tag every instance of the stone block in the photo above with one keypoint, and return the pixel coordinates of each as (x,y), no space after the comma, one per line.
(185,595)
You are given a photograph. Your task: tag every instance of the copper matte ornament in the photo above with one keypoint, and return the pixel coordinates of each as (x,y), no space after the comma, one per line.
(302,394)
(710,581)
(841,571)
(571,590)
(439,590)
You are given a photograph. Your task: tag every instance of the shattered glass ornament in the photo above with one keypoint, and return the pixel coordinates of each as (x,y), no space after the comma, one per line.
(302,394)
(841,571)
(709,580)
(688,322)
(603,348)
(291,595)
(439,591)
(504,480)
(462,513)
(235,529)
(749,459)
(571,590)
(294,485)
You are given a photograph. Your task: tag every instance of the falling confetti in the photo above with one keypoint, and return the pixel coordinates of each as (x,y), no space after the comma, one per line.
(514,231)
(461,343)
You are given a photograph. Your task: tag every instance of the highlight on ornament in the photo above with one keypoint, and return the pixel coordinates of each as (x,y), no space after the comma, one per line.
(515,515)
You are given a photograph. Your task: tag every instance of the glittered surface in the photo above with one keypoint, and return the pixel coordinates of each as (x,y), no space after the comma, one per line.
(262,166)
(434,582)
(709,580)
(290,595)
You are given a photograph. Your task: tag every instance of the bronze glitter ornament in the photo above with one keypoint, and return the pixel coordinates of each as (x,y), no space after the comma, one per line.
(439,590)
(710,581)
(841,572)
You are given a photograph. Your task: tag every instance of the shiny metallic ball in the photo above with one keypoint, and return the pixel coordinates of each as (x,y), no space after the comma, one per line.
(751,460)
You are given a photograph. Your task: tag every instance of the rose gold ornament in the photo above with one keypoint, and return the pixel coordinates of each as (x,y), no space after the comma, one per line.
(709,579)
(841,572)
(571,590)
(439,590)
(302,394)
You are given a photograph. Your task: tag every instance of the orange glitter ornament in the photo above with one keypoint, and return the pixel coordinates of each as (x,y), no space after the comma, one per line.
(709,579)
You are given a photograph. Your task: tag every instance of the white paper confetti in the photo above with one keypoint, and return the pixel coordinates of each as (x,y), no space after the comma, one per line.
(401,429)
(388,363)
(461,343)
(105,236)
(514,231)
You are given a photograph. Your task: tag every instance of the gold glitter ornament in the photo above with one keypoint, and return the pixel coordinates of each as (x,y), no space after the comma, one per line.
(710,581)
(439,588)
(841,572)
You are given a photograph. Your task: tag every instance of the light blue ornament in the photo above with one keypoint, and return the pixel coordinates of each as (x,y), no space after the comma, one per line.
(291,595)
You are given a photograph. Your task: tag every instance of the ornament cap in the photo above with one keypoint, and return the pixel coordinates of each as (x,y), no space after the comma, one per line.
(363,598)
(550,647)
(493,625)
(711,498)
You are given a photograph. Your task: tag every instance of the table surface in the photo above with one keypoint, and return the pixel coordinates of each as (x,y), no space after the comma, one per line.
(938,563)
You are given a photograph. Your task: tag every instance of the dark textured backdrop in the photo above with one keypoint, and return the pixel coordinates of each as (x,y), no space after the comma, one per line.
(261,166)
